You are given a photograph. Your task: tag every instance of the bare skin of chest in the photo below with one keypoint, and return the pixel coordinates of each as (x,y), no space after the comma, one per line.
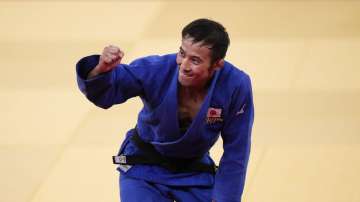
(189,104)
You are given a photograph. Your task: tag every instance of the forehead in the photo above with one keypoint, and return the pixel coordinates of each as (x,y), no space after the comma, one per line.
(197,49)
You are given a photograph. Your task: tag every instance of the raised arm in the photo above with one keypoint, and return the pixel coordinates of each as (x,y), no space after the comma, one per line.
(105,82)
(109,59)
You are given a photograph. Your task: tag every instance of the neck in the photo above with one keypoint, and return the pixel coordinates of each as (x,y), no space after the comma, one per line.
(194,93)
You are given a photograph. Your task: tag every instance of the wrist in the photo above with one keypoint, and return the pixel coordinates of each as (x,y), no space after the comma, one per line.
(94,72)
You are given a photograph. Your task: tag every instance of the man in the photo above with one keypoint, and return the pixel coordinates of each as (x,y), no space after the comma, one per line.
(189,98)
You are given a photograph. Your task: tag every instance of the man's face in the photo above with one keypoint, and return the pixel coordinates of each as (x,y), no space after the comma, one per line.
(194,60)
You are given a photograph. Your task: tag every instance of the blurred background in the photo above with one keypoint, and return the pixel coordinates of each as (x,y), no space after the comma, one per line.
(303,58)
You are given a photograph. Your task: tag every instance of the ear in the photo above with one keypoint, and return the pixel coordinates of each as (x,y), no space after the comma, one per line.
(218,64)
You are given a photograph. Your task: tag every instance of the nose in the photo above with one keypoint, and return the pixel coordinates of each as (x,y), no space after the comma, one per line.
(184,65)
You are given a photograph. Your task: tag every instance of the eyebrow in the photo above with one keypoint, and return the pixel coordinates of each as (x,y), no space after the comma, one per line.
(193,56)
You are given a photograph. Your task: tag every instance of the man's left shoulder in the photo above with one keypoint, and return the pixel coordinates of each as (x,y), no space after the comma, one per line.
(233,75)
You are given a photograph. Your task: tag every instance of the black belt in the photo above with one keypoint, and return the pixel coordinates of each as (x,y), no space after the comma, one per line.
(151,156)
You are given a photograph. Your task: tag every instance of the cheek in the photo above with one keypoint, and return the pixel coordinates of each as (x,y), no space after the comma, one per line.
(201,72)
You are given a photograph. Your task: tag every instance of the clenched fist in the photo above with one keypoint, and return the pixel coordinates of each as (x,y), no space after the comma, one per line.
(109,59)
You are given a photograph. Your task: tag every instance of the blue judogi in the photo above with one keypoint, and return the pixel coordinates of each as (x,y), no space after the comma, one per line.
(227,110)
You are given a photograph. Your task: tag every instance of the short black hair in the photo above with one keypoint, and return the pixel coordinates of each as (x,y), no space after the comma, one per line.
(210,33)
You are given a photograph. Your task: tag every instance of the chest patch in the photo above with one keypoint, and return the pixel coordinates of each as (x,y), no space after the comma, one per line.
(214,115)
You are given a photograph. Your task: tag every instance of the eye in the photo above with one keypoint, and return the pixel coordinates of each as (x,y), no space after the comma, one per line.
(195,61)
(181,53)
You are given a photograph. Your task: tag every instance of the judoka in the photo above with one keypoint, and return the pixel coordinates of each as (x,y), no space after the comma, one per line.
(190,99)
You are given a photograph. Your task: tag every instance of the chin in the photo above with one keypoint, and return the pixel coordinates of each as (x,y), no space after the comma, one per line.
(185,82)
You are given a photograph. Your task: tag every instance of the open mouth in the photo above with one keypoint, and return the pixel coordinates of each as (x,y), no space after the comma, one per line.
(186,75)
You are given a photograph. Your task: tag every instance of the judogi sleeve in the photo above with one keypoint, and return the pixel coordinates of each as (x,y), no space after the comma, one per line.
(236,135)
(109,88)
